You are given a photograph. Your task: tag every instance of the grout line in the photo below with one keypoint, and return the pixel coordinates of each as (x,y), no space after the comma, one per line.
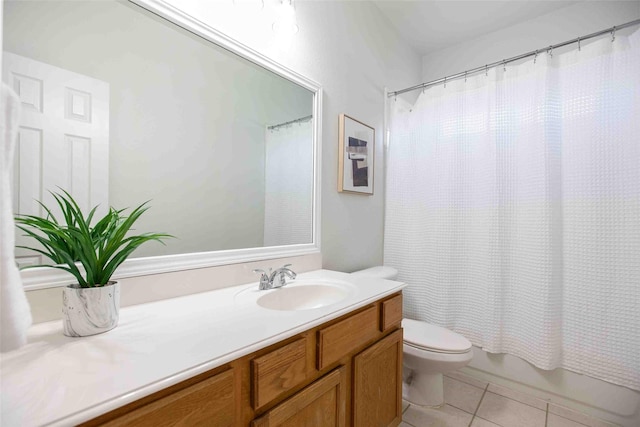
(546,410)
(516,400)
(594,419)
(478,407)
(465,382)
(546,416)
(481,398)
(461,409)
(578,422)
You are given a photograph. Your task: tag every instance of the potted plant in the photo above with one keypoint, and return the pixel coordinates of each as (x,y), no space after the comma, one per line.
(91,253)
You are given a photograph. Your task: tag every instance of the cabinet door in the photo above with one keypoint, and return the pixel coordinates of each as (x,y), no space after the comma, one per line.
(208,403)
(320,404)
(377,384)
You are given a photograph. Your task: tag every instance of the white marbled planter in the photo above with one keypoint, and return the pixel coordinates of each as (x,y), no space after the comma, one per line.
(90,311)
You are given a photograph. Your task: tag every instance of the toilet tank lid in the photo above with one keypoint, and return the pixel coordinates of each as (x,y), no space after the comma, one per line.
(428,336)
(379,272)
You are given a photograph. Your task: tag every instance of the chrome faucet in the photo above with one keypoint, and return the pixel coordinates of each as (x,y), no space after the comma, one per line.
(279,276)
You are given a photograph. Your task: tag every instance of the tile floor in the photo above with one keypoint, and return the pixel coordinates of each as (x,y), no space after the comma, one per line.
(473,403)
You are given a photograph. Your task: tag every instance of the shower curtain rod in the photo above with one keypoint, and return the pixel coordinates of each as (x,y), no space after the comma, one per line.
(301,119)
(444,80)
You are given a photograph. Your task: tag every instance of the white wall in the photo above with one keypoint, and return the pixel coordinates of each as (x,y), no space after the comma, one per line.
(352,51)
(564,24)
(588,395)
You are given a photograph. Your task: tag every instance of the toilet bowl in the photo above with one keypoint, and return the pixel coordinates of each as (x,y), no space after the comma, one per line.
(428,352)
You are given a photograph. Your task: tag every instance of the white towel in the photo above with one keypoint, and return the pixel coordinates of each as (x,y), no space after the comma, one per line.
(15,314)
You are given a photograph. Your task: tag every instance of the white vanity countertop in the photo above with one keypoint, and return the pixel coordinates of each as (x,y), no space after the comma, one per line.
(57,380)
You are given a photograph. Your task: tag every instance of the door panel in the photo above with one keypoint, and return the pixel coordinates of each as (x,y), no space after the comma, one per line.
(63,139)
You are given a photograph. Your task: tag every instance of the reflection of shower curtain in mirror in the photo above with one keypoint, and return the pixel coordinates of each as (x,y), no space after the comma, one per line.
(288,204)
(513,209)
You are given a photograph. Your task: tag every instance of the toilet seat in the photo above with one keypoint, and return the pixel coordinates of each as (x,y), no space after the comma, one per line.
(424,336)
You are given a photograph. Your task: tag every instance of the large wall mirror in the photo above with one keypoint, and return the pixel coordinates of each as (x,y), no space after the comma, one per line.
(127,102)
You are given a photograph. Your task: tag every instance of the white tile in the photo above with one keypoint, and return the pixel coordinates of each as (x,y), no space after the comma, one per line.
(405,405)
(518,395)
(509,413)
(577,416)
(467,379)
(446,416)
(479,422)
(554,420)
(462,395)
(403,424)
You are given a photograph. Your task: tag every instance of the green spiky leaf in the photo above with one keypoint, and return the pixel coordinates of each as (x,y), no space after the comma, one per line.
(99,249)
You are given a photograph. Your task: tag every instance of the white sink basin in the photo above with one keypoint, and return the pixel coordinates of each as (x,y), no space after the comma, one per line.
(303,297)
(305,294)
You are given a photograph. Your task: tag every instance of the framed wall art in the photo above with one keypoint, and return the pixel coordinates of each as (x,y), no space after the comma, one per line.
(356,156)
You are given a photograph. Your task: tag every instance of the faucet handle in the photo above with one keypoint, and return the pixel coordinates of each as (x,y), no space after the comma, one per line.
(261,272)
(265,280)
(282,273)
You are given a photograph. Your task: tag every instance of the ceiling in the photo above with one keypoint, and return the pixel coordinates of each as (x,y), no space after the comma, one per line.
(433,25)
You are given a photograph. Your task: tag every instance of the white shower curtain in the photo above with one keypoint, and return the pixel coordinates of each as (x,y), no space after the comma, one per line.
(513,209)
(288,206)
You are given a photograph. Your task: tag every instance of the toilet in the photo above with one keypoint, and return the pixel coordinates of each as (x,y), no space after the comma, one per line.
(429,351)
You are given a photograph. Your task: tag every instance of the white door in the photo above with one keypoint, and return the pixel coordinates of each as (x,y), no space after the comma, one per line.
(63,139)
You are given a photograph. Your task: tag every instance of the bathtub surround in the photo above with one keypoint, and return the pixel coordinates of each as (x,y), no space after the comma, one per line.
(15,314)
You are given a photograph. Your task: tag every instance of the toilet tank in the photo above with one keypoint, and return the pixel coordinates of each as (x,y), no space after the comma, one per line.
(379,272)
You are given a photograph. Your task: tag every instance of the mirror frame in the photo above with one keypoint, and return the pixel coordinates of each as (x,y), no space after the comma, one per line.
(45,277)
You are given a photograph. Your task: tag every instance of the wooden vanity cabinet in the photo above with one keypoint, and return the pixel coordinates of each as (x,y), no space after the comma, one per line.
(377,383)
(205,400)
(323,403)
(346,372)
(346,336)
(277,372)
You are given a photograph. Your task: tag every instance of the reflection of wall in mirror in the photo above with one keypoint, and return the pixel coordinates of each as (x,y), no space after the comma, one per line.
(187,118)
